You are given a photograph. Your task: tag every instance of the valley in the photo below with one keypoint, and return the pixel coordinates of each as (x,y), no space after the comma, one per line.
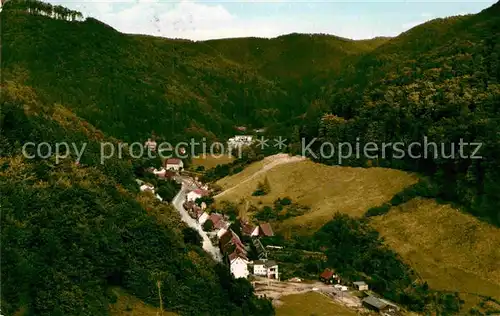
(80,237)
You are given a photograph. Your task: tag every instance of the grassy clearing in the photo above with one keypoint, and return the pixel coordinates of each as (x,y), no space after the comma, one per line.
(132,306)
(209,161)
(449,249)
(311,303)
(325,189)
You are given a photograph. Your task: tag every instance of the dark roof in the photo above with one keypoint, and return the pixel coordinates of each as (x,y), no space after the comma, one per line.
(270,263)
(265,229)
(375,302)
(266,263)
(225,238)
(246,228)
(327,274)
(188,205)
(235,255)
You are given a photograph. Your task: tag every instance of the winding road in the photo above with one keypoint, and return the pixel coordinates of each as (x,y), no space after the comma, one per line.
(188,185)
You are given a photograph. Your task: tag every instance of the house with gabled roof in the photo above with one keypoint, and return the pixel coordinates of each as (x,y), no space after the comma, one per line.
(235,253)
(328,276)
(196,194)
(266,268)
(263,230)
(238,265)
(174,164)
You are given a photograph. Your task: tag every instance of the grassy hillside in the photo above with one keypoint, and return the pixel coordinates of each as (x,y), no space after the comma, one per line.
(449,249)
(325,189)
(311,303)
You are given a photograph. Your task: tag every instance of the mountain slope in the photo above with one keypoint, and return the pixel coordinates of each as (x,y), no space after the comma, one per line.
(71,233)
(130,85)
(440,80)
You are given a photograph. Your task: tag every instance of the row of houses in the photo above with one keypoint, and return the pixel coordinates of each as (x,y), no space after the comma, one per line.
(233,249)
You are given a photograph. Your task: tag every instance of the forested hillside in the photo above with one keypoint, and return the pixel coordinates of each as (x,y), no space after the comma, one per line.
(440,80)
(71,232)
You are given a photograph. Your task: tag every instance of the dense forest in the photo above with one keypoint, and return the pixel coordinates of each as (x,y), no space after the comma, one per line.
(440,80)
(71,231)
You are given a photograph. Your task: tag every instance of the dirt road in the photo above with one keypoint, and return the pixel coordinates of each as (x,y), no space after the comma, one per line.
(269,163)
(275,289)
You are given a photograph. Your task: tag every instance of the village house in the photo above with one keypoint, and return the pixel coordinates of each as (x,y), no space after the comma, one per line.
(174,164)
(263,230)
(203,218)
(246,228)
(266,268)
(360,285)
(196,194)
(146,187)
(328,276)
(238,264)
(239,141)
(234,253)
(382,306)
(219,223)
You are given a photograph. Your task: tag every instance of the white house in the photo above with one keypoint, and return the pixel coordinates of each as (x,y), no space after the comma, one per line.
(147,188)
(239,141)
(174,164)
(196,194)
(238,265)
(266,268)
(360,285)
(203,218)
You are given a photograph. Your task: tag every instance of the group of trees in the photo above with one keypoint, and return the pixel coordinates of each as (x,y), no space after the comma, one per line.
(44,8)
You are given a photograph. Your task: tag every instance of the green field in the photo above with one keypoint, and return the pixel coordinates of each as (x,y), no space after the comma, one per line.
(451,250)
(311,303)
(325,189)
(210,161)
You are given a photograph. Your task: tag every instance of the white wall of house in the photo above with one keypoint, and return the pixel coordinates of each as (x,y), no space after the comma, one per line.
(203,218)
(273,270)
(192,196)
(259,269)
(239,268)
(221,232)
(146,187)
(255,232)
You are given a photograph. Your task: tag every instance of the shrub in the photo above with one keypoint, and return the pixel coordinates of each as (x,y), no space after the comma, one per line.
(378,210)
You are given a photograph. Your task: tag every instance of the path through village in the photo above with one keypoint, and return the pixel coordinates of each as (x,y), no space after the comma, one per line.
(187,185)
